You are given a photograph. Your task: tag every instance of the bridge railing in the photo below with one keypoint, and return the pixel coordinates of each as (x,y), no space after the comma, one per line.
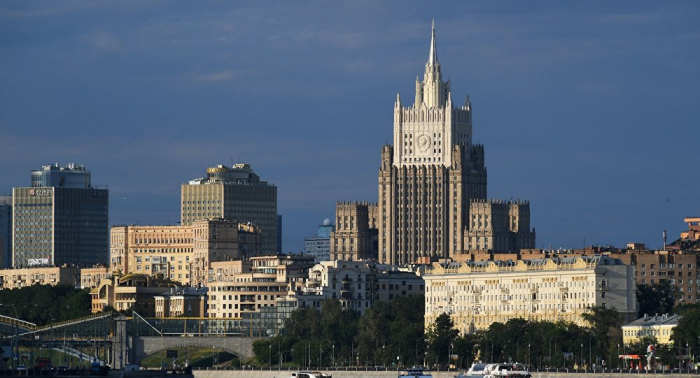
(73,321)
(18,322)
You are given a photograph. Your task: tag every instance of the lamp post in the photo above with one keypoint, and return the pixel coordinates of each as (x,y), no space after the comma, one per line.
(15,347)
(550,351)
(590,359)
(581,355)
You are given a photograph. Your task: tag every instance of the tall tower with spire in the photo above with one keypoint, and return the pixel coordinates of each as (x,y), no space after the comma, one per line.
(430,175)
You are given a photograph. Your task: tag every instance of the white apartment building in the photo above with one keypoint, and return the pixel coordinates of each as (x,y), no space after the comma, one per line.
(477,294)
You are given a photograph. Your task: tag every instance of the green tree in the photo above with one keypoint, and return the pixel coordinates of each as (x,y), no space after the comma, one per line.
(687,333)
(656,298)
(605,329)
(440,337)
(43,304)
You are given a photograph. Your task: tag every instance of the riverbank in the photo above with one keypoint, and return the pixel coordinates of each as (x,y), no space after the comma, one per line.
(394,374)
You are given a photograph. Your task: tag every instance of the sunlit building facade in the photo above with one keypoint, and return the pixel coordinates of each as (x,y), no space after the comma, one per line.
(477,294)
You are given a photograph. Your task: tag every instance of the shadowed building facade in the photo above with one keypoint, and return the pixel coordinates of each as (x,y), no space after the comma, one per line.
(61,219)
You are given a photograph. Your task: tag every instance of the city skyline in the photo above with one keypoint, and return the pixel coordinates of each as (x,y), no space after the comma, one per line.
(586,111)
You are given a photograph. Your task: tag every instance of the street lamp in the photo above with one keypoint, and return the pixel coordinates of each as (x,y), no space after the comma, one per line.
(15,347)
(581,355)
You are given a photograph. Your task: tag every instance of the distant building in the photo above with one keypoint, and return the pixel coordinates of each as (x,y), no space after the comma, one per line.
(135,292)
(51,275)
(678,269)
(319,246)
(477,294)
(657,326)
(182,253)
(392,284)
(430,176)
(689,240)
(234,193)
(499,226)
(260,282)
(61,219)
(354,238)
(5,231)
(189,302)
(90,278)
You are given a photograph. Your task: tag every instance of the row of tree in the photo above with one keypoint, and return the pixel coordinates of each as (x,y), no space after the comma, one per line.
(44,304)
(393,333)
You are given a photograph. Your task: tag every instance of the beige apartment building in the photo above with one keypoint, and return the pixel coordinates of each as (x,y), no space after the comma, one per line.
(235,193)
(355,236)
(477,294)
(90,278)
(499,226)
(188,302)
(240,289)
(131,291)
(24,277)
(181,253)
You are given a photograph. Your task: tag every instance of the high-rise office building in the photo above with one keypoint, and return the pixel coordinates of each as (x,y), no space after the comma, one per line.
(430,175)
(5,231)
(237,194)
(61,219)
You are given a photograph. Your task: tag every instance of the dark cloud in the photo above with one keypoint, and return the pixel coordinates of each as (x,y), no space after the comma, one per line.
(586,109)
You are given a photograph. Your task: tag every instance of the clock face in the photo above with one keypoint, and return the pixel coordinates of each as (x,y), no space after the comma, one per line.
(423,142)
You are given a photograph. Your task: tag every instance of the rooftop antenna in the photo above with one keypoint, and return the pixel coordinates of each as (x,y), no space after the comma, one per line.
(665,236)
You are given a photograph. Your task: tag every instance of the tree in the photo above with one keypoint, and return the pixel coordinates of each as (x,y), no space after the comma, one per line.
(606,329)
(687,333)
(441,336)
(43,304)
(656,298)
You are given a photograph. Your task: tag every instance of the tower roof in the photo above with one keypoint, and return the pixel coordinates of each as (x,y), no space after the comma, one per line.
(432,58)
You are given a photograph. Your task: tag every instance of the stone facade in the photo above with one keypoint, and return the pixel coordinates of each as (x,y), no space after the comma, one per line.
(477,294)
(499,226)
(131,291)
(353,238)
(430,175)
(24,277)
(182,253)
(90,278)
(188,302)
(242,289)
(234,193)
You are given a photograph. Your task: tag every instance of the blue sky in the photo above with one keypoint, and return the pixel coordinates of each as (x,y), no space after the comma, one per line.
(587,109)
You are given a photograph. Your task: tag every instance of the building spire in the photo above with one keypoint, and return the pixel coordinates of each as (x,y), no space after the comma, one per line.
(433,59)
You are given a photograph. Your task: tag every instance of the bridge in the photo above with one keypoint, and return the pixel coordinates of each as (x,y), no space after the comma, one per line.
(115,340)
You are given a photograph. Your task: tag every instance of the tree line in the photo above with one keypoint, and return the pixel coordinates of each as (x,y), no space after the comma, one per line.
(391,334)
(45,304)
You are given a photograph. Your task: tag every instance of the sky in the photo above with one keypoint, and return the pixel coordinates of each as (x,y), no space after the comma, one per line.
(589,110)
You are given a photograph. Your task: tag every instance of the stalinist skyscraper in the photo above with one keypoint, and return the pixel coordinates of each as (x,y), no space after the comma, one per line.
(433,176)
